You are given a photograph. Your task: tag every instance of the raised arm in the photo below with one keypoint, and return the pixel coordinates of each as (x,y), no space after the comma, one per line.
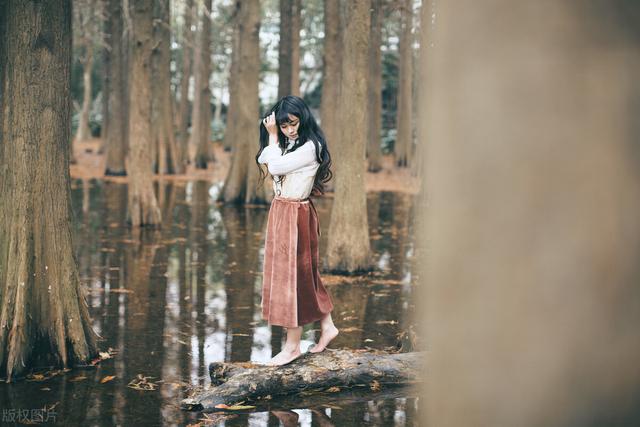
(282,164)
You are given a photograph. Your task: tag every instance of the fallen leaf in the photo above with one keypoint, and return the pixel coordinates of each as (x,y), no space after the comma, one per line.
(79,378)
(107,379)
(233,407)
(333,389)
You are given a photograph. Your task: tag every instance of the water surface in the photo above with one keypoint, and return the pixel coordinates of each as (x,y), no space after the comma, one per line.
(169,301)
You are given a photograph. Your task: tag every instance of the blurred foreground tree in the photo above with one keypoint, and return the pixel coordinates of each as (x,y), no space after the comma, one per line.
(43,313)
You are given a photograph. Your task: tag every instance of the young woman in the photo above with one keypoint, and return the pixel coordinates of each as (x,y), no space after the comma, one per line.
(293,147)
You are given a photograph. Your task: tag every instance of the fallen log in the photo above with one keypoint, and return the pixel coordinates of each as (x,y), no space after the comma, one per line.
(330,371)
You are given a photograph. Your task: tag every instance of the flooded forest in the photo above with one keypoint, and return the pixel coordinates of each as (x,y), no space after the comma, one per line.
(132,249)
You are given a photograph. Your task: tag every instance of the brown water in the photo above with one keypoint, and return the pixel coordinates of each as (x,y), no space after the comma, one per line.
(170,301)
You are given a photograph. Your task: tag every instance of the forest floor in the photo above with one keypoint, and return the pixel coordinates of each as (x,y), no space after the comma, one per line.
(90,164)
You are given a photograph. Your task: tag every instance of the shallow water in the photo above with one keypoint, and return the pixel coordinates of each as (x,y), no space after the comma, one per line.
(170,301)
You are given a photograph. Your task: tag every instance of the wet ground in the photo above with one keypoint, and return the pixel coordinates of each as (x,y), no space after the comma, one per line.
(170,301)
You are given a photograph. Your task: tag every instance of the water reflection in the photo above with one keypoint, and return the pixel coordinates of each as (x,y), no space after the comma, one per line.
(170,300)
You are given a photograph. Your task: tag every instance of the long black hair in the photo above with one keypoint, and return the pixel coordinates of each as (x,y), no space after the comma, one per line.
(307,131)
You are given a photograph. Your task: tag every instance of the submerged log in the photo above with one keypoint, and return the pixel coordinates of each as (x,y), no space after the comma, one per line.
(329,371)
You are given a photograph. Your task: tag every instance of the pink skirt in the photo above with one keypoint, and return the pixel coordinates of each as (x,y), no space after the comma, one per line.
(292,292)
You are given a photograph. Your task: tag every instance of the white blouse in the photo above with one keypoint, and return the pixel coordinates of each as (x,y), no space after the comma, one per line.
(298,168)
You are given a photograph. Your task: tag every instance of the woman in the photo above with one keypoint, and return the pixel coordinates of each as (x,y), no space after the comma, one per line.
(293,147)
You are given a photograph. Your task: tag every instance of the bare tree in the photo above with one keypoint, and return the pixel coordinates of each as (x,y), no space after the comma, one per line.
(241,185)
(201,127)
(331,70)
(143,206)
(43,311)
(116,129)
(289,48)
(404,138)
(87,15)
(185,78)
(348,241)
(229,137)
(162,123)
(374,88)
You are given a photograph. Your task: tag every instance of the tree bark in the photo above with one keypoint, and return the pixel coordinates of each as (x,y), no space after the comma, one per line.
(106,81)
(43,311)
(162,120)
(117,136)
(246,382)
(348,241)
(289,48)
(201,128)
(331,77)
(241,185)
(143,206)
(187,70)
(404,137)
(374,89)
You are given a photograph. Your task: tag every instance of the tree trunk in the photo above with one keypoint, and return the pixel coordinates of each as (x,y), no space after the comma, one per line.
(187,67)
(106,82)
(117,135)
(43,313)
(289,48)
(331,78)
(143,206)
(201,128)
(167,153)
(404,137)
(348,241)
(374,151)
(84,133)
(246,382)
(231,125)
(417,164)
(242,179)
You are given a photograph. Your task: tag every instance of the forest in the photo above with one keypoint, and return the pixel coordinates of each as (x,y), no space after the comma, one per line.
(472,261)
(131,251)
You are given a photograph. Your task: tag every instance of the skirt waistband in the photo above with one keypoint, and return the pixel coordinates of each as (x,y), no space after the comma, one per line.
(284,199)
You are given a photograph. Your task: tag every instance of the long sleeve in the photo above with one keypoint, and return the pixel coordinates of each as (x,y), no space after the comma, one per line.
(282,164)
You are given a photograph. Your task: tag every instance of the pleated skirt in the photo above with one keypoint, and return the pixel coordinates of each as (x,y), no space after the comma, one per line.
(292,291)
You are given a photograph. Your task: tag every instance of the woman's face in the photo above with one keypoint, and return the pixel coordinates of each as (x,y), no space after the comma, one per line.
(290,128)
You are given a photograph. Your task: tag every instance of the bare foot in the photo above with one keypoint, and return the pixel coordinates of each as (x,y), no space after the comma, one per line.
(325,339)
(284,357)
